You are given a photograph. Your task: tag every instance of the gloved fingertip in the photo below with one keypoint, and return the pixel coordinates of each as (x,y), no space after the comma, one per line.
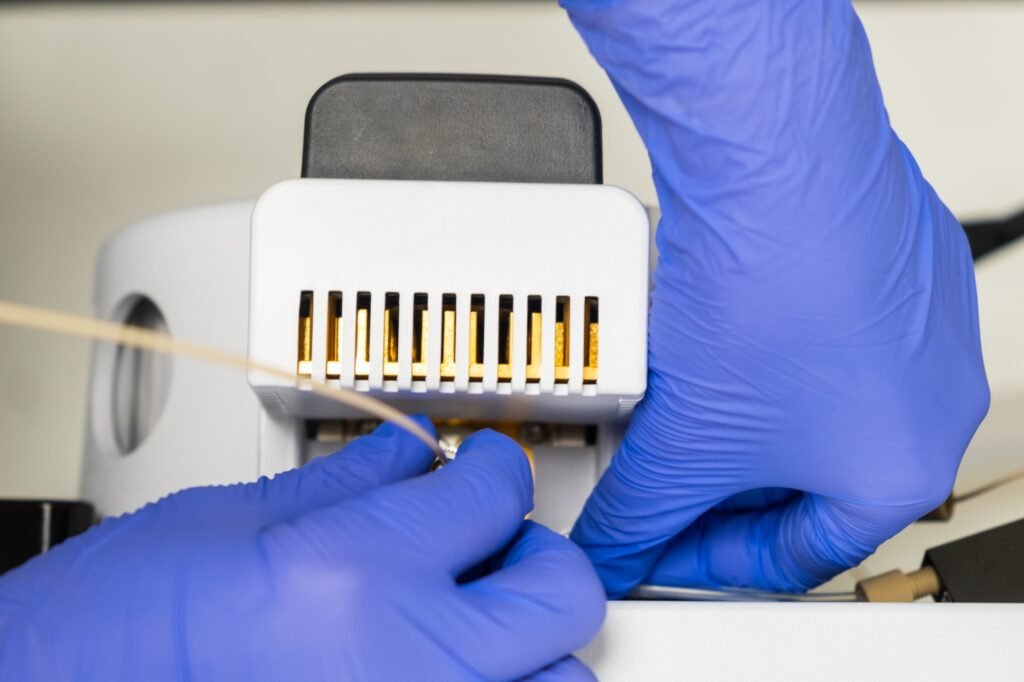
(531,538)
(389,454)
(583,585)
(559,599)
(493,444)
(493,449)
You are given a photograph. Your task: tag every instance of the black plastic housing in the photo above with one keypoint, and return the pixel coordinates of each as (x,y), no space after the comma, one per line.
(453,127)
(987,567)
(30,527)
(992,235)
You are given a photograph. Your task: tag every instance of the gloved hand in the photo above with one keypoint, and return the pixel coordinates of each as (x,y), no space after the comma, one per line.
(813,327)
(339,570)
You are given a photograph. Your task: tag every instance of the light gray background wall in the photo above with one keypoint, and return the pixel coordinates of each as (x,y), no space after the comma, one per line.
(109,113)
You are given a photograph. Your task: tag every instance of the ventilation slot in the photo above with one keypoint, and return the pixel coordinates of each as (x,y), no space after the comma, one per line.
(334,334)
(363,335)
(505,327)
(391,336)
(448,337)
(418,338)
(304,367)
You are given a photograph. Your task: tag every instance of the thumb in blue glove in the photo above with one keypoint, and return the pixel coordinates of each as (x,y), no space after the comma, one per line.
(344,569)
(813,323)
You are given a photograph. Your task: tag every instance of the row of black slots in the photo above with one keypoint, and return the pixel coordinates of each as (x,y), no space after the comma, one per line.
(421,334)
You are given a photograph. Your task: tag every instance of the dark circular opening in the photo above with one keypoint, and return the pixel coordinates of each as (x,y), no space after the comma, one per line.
(141,380)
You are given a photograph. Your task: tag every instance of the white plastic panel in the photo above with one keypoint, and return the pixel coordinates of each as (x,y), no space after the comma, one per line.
(466,239)
(655,641)
(193,265)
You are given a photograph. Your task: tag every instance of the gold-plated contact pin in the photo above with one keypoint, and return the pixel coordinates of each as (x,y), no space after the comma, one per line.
(590,336)
(562,340)
(391,335)
(448,337)
(363,335)
(334,334)
(534,333)
(506,327)
(476,337)
(304,367)
(420,335)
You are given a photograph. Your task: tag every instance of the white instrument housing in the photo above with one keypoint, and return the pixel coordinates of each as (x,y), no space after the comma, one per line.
(368,255)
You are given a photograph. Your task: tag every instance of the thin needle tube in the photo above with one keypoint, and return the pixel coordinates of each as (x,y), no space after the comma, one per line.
(41,319)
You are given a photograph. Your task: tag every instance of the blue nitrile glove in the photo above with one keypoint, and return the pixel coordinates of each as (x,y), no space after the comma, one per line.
(338,570)
(813,324)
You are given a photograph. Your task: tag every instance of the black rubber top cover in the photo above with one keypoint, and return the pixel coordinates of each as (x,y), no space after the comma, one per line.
(449,127)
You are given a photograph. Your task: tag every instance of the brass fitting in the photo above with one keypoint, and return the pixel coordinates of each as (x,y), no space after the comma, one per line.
(897,586)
